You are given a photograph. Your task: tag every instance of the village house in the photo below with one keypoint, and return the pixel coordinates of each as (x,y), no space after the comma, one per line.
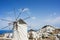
(48,28)
(6,36)
(47,32)
(56,32)
(32,35)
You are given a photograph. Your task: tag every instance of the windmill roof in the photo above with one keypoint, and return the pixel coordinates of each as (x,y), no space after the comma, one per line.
(21,21)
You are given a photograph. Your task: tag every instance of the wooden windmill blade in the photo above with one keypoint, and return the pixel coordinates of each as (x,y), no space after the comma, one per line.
(9,24)
(4,27)
(19,14)
(6,20)
(26,18)
(30,27)
(15,13)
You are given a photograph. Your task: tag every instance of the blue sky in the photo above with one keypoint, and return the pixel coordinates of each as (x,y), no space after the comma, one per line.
(42,11)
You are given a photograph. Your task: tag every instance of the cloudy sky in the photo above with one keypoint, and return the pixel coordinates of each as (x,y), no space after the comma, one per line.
(42,12)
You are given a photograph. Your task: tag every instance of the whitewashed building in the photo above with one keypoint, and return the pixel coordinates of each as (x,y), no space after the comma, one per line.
(48,28)
(32,34)
(45,30)
(20,32)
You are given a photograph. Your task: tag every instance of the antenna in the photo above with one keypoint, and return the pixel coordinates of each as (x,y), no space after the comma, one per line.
(15,13)
(26,18)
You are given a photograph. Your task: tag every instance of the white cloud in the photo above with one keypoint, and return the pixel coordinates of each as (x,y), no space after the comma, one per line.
(53,21)
(24,10)
(53,14)
(33,17)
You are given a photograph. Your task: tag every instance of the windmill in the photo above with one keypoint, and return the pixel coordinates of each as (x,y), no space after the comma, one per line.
(19,27)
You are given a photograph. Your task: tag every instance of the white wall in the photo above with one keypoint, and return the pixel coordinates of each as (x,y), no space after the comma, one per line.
(21,33)
(49,29)
(22,28)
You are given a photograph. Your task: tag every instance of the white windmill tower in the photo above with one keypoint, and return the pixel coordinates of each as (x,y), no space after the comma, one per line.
(19,28)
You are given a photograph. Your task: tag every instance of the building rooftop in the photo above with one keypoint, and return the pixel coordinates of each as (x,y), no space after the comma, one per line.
(21,21)
(47,26)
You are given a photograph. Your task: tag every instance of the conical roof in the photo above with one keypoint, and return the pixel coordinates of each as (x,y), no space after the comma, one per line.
(21,21)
